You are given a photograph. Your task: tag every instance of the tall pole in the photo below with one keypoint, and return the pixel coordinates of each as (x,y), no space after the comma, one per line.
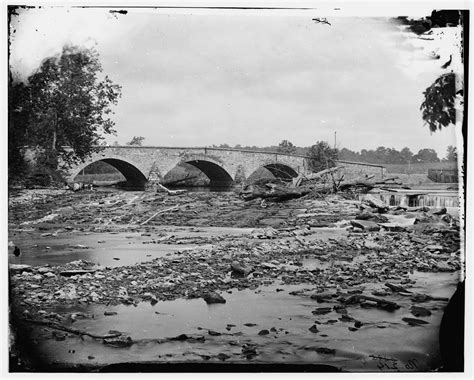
(335,139)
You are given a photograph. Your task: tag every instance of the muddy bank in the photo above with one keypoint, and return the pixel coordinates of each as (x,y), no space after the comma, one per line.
(347,273)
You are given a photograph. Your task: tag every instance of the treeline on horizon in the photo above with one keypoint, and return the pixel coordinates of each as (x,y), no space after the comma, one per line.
(380,155)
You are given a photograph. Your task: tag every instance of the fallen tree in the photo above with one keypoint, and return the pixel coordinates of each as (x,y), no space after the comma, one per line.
(323,182)
(272,192)
(71,330)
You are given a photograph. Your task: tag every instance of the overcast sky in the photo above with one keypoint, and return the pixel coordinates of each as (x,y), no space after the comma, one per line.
(197,79)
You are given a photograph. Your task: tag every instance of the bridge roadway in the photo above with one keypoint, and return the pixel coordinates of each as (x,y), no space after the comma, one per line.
(142,165)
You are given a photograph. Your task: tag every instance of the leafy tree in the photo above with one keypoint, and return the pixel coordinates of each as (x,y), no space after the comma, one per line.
(451,154)
(286,147)
(67,107)
(406,154)
(136,140)
(426,155)
(438,108)
(17,129)
(321,156)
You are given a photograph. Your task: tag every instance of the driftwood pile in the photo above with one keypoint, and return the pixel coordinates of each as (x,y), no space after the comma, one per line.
(324,182)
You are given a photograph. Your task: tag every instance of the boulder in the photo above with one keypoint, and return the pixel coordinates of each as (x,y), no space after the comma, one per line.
(419,311)
(213,297)
(367,215)
(414,321)
(376,203)
(365,225)
(239,269)
(120,341)
(322,310)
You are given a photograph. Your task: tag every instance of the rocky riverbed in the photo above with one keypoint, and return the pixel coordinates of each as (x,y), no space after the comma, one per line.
(297,282)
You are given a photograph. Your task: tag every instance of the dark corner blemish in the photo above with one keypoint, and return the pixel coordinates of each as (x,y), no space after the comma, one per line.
(121,11)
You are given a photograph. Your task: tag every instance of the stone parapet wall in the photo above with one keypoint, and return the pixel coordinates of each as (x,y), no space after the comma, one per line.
(356,169)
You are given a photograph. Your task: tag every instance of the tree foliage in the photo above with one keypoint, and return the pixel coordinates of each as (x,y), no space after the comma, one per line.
(321,156)
(451,154)
(438,108)
(136,140)
(286,147)
(439,105)
(426,155)
(64,109)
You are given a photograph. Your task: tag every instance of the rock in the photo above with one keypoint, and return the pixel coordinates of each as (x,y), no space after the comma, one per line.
(64,211)
(250,324)
(94,297)
(110,312)
(420,298)
(223,357)
(249,350)
(239,269)
(444,267)
(263,332)
(434,247)
(365,225)
(188,338)
(214,333)
(321,297)
(213,297)
(367,215)
(80,272)
(59,336)
(371,245)
(376,203)
(322,350)
(313,329)
(419,311)
(121,341)
(68,292)
(322,310)
(440,211)
(80,246)
(346,318)
(122,292)
(380,293)
(340,309)
(414,321)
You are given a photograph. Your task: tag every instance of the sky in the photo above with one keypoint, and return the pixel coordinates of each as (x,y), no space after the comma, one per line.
(198,78)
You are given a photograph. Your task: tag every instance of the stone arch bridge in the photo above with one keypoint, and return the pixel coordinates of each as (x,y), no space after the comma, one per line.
(141,165)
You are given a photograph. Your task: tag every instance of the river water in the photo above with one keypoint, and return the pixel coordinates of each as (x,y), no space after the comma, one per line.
(286,317)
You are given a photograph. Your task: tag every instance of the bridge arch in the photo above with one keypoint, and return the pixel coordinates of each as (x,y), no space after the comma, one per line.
(282,171)
(217,172)
(134,176)
(279,170)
